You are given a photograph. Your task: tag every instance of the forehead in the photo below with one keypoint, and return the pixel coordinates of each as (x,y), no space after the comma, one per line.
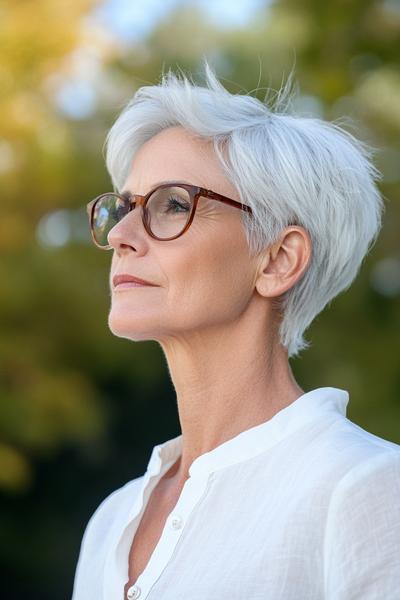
(174,145)
(176,154)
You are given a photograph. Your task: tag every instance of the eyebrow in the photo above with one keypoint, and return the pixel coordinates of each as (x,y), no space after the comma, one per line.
(161,183)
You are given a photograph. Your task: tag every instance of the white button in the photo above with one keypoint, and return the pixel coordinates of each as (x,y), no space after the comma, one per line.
(134,592)
(176,522)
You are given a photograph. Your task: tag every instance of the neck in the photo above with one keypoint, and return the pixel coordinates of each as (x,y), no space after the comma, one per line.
(227,379)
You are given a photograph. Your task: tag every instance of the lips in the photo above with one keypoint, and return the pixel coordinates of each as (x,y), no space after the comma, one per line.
(126,278)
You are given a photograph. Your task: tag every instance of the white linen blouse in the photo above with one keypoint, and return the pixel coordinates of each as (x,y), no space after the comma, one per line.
(305,506)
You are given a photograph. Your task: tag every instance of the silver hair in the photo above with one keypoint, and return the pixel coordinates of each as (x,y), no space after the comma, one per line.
(290,169)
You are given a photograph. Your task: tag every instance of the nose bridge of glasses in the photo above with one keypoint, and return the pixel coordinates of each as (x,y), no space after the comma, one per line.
(137,200)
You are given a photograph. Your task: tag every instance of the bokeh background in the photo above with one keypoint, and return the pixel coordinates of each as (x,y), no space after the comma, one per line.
(80,410)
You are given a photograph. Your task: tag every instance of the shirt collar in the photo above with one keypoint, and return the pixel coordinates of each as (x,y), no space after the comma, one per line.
(323,401)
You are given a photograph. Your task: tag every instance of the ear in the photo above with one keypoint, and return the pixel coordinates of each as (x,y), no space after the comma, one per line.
(283,263)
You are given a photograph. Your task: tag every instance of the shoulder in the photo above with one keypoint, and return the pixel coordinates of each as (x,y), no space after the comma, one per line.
(97,534)
(347,447)
(379,469)
(365,495)
(331,453)
(362,535)
(112,510)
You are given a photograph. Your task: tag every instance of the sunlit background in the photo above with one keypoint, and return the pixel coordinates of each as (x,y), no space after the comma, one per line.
(80,410)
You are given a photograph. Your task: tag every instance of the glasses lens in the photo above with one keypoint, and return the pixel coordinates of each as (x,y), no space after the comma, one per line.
(108,210)
(168,210)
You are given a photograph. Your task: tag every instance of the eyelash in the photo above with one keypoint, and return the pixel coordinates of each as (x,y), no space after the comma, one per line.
(174,201)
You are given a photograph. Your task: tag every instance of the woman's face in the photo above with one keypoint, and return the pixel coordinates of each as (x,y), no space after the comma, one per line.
(204,278)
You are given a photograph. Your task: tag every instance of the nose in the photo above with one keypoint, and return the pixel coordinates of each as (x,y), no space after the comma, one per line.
(127,231)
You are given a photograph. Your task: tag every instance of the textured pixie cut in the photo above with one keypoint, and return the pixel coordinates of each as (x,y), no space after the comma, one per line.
(290,169)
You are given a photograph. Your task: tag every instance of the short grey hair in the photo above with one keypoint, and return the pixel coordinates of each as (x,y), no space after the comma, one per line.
(290,169)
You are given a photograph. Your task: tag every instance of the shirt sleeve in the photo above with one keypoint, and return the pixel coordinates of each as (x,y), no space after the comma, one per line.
(362,537)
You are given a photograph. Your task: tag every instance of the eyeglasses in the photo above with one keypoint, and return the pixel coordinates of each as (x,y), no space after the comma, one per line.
(168,210)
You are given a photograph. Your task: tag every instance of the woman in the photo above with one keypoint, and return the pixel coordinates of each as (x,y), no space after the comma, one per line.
(248,221)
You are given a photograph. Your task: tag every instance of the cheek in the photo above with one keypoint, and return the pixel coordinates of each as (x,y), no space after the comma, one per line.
(213,284)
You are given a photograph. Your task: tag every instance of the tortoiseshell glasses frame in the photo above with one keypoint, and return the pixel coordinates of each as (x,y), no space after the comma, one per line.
(195,193)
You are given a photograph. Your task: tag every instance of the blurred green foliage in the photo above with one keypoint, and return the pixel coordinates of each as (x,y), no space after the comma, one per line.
(77,405)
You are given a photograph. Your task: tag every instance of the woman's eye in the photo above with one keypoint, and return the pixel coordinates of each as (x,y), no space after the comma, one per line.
(176,205)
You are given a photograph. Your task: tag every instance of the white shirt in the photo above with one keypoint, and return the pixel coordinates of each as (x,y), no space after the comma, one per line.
(304,506)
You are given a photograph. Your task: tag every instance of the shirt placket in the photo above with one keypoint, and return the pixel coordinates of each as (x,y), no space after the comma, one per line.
(194,489)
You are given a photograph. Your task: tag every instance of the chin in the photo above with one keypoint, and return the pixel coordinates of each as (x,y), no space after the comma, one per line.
(123,325)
